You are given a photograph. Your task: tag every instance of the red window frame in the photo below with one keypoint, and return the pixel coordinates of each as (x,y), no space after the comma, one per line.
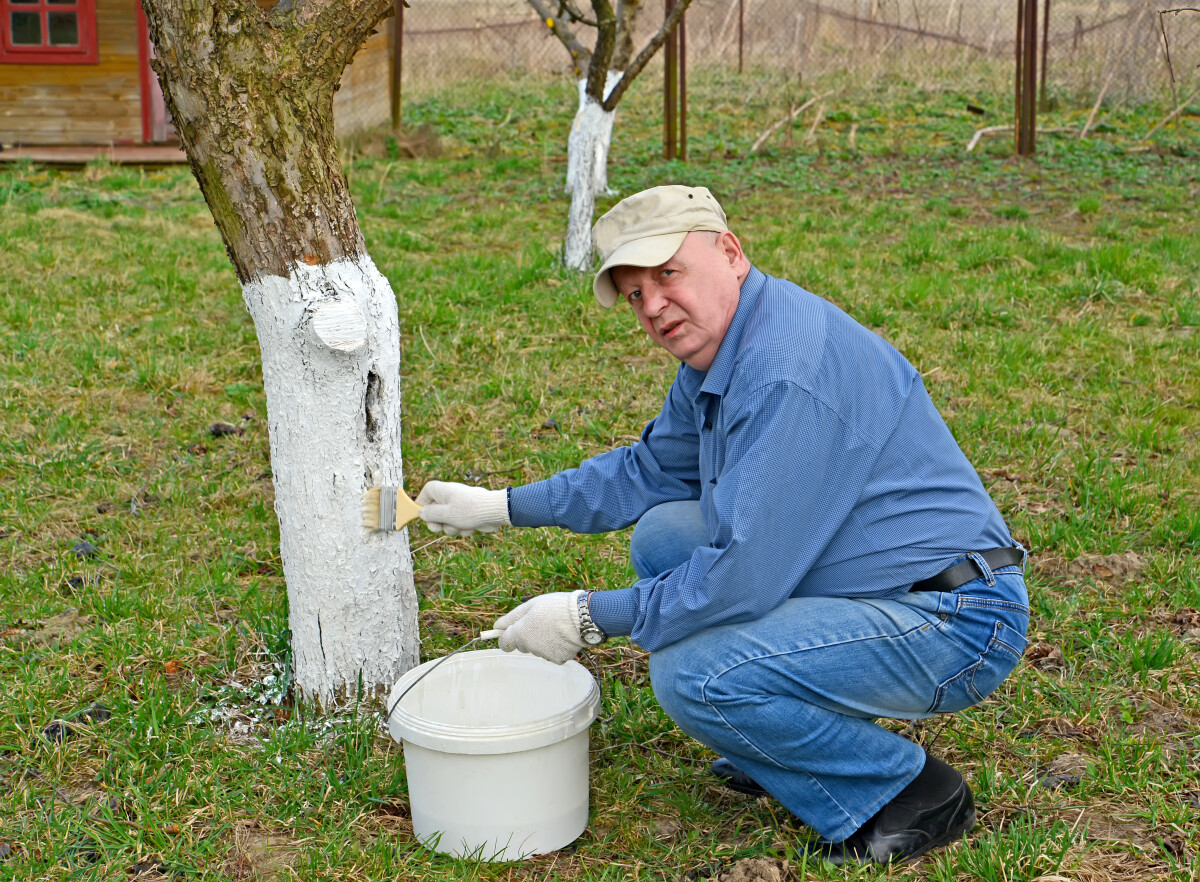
(86,51)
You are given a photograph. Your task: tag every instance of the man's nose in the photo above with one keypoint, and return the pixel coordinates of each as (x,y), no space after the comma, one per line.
(653,300)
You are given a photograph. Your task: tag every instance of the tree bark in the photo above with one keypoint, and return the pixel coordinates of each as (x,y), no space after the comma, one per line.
(587,171)
(591,126)
(251,95)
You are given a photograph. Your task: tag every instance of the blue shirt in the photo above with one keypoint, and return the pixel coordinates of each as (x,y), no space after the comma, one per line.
(821,466)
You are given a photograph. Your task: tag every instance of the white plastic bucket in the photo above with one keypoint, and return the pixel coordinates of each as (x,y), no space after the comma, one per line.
(496,753)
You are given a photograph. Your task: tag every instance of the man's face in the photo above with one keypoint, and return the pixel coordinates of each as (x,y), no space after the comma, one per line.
(687,303)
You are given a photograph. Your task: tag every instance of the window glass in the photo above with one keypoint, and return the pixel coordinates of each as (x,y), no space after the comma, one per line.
(22,2)
(64,29)
(62,2)
(26,29)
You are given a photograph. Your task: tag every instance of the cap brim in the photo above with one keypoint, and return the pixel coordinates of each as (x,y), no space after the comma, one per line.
(647,251)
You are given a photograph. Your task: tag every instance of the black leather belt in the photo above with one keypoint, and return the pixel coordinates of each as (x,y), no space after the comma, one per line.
(965,571)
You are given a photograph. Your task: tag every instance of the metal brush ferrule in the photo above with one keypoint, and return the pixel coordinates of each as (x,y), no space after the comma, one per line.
(387,508)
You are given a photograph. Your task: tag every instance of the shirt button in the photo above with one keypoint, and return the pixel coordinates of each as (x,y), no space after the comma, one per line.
(708,425)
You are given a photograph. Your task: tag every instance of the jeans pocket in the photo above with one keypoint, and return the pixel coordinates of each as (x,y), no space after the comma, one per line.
(980,678)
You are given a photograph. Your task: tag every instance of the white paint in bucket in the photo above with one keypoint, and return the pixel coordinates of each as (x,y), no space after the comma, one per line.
(496,753)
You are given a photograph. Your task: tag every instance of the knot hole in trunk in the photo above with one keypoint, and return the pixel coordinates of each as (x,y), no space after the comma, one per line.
(374,406)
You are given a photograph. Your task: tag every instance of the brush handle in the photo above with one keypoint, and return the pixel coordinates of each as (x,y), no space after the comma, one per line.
(492,634)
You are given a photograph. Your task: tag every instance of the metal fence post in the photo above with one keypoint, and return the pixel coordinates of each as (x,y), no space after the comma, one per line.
(741,33)
(675,88)
(1025,87)
(397,62)
(681,30)
(670,69)
(1045,50)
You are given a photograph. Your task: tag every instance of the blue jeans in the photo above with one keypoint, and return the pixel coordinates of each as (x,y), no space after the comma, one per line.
(792,698)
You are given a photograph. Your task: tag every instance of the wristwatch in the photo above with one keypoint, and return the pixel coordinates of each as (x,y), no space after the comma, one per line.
(589,631)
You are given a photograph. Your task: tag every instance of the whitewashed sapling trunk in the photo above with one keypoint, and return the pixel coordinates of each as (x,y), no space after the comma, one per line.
(587,170)
(251,95)
(591,118)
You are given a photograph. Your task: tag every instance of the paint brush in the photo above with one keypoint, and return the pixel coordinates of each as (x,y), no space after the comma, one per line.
(387,508)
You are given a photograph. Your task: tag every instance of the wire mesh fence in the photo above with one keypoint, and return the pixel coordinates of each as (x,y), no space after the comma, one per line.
(1128,49)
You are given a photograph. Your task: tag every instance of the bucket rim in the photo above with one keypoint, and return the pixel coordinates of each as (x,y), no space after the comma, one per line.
(473,739)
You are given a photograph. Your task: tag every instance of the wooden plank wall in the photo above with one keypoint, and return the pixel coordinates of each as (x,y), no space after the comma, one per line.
(101,103)
(78,103)
(364,99)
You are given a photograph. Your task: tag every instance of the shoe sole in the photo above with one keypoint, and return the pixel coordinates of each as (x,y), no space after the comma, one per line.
(951,835)
(729,784)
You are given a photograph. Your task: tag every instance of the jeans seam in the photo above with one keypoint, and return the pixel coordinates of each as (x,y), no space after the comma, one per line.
(849,819)
(798,649)
(988,603)
(1006,645)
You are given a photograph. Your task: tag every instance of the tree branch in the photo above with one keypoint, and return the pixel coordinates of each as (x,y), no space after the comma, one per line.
(575,14)
(332,32)
(643,57)
(580,53)
(176,23)
(627,13)
(606,42)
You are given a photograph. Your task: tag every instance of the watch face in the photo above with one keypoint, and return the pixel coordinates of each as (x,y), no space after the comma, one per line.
(592,638)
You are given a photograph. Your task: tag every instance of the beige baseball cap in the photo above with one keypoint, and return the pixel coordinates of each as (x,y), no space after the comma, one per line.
(647,228)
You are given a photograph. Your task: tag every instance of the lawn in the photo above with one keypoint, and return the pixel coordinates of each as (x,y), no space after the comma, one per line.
(147,727)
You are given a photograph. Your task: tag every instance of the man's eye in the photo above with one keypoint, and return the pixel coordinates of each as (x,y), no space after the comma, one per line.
(633,295)
(668,272)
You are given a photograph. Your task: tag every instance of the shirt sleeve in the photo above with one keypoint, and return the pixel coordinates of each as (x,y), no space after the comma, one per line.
(612,490)
(791,476)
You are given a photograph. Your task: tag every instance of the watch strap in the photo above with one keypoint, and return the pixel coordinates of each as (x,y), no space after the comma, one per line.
(587,627)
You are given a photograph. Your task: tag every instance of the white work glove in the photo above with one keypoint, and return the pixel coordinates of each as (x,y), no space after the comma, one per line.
(459,510)
(547,625)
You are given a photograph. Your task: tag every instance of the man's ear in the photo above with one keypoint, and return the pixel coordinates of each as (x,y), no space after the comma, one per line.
(732,249)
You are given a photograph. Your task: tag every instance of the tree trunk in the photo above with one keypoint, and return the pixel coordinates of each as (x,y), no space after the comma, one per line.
(591,121)
(587,170)
(251,95)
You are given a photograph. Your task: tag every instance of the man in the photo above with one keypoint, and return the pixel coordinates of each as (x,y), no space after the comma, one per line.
(813,549)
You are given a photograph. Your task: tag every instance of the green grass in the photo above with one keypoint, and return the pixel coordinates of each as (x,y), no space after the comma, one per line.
(1052,306)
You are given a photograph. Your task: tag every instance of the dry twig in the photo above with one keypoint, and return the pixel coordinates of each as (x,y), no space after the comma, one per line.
(1170,116)
(989,130)
(1108,80)
(774,127)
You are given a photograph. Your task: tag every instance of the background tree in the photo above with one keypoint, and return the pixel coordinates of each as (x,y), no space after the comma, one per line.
(250,91)
(606,72)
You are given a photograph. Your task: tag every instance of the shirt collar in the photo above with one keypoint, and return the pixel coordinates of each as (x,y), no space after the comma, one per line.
(715,380)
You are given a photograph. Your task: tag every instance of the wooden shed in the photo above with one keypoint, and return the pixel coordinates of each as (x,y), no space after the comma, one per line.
(77,72)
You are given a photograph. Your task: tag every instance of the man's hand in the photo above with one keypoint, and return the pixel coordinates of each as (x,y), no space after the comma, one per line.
(547,625)
(459,510)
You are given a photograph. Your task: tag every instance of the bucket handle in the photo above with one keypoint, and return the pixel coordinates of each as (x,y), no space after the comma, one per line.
(489,635)
(599,684)
(486,635)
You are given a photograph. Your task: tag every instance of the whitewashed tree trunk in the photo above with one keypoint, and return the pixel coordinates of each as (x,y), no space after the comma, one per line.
(267,163)
(587,170)
(331,367)
(591,132)
(581,126)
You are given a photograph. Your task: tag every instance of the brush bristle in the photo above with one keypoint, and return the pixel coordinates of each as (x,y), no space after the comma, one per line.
(370,509)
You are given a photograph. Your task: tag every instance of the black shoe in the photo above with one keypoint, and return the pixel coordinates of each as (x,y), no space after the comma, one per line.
(735,779)
(899,832)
